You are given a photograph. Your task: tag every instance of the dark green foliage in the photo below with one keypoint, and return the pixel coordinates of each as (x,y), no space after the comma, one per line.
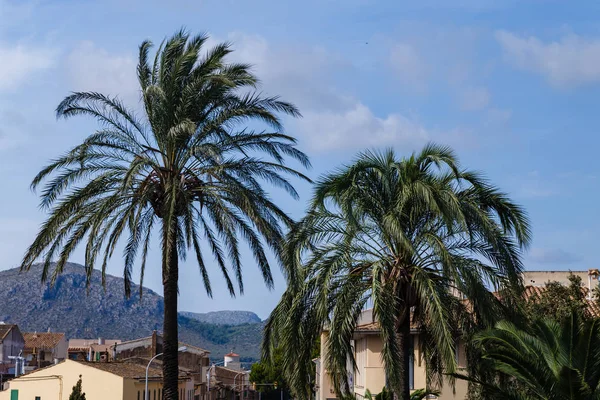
(558,301)
(543,361)
(268,372)
(406,234)
(385,394)
(77,393)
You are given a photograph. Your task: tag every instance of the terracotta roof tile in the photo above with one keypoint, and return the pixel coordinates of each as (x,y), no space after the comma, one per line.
(42,340)
(130,370)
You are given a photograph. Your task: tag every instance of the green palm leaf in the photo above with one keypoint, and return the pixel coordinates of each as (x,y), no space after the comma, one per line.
(188,166)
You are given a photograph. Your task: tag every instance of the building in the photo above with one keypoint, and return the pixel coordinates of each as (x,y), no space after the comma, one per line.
(44,348)
(232,361)
(194,359)
(229,381)
(370,371)
(11,345)
(100,381)
(367,344)
(93,349)
(589,278)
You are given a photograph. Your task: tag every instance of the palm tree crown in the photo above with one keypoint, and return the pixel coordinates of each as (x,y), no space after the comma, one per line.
(547,360)
(186,165)
(407,235)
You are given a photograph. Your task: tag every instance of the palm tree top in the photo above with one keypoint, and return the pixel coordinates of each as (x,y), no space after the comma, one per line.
(407,234)
(188,157)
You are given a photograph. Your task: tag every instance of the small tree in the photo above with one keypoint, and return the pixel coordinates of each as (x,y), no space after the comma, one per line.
(558,301)
(77,393)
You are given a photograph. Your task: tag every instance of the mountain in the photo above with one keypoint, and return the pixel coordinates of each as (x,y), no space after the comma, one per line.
(68,306)
(224,317)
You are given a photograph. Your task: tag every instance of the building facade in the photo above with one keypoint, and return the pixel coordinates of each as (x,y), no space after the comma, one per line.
(100,350)
(100,381)
(44,348)
(194,359)
(11,345)
(370,371)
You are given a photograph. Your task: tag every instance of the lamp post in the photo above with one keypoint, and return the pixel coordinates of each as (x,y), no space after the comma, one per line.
(234,379)
(208,374)
(19,364)
(146,394)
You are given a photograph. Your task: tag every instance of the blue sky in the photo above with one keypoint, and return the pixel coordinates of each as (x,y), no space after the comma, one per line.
(511,85)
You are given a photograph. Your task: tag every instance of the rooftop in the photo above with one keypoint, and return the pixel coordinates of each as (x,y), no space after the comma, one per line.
(131,370)
(5,329)
(42,340)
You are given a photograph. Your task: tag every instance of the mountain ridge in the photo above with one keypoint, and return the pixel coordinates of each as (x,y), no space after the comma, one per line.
(68,306)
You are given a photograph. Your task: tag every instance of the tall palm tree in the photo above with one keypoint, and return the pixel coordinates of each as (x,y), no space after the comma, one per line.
(547,360)
(407,234)
(186,167)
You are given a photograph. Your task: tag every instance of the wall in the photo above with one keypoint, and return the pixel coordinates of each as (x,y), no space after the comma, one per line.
(375,371)
(11,345)
(192,359)
(56,383)
(325,389)
(134,389)
(61,349)
(540,278)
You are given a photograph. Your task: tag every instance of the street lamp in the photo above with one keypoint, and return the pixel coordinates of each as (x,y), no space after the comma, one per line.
(146,394)
(19,363)
(234,379)
(208,373)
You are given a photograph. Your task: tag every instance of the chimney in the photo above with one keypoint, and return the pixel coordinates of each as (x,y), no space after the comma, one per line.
(592,274)
(100,341)
(154,345)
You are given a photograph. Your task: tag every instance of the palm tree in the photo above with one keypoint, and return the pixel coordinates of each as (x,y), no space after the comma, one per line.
(544,361)
(187,166)
(407,235)
(419,394)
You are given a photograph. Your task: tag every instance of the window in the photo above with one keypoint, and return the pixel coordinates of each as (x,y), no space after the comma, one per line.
(138,395)
(159,394)
(154,394)
(38,398)
(361,362)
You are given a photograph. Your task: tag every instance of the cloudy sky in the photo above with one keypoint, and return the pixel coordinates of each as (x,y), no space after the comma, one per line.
(511,85)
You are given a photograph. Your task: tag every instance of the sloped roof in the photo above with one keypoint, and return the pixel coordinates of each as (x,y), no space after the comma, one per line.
(232,354)
(5,329)
(129,370)
(42,340)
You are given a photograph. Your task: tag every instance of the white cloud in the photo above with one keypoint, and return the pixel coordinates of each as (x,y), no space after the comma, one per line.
(357,126)
(408,65)
(474,98)
(91,68)
(571,61)
(331,119)
(19,62)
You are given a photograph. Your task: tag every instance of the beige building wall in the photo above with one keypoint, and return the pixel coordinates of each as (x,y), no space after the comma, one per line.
(134,388)
(589,278)
(56,383)
(375,371)
(325,388)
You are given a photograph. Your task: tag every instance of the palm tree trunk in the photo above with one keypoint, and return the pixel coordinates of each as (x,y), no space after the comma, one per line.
(170,329)
(405,346)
